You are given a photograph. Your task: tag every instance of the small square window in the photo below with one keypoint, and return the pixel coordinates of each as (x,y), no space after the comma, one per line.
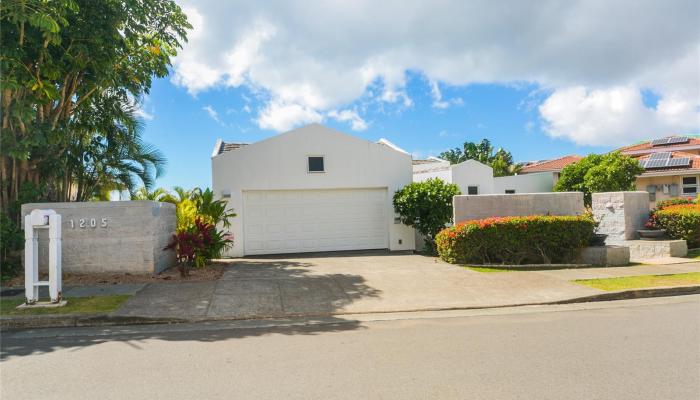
(690,189)
(690,180)
(510,191)
(472,190)
(316,164)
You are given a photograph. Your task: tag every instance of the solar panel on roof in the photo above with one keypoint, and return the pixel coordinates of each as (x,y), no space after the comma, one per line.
(664,155)
(678,162)
(655,163)
(678,139)
(658,142)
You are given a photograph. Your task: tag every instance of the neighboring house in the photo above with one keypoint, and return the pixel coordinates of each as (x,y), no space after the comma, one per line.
(552,167)
(312,189)
(473,177)
(672,166)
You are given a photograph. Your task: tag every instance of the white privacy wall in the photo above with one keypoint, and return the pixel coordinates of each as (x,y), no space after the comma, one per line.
(540,182)
(280,163)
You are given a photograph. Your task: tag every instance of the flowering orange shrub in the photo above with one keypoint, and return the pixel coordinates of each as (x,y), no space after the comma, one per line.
(515,240)
(681,221)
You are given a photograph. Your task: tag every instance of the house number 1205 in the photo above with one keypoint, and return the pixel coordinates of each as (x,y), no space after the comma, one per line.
(89,223)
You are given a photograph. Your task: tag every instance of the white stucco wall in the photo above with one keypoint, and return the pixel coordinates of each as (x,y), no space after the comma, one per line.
(539,182)
(473,173)
(280,163)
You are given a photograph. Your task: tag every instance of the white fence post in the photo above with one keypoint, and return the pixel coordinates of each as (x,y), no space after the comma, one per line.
(42,219)
(31,261)
(55,258)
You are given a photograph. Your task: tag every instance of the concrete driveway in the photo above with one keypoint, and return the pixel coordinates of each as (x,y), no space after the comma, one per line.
(339,283)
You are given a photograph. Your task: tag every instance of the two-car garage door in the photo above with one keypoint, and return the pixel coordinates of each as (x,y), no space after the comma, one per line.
(294,221)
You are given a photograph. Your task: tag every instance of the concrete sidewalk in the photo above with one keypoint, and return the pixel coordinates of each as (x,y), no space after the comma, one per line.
(365,283)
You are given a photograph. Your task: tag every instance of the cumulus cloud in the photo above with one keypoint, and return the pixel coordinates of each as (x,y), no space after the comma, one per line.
(614,116)
(356,122)
(591,55)
(282,117)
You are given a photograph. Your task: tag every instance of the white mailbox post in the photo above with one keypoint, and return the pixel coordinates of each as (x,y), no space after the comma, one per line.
(42,219)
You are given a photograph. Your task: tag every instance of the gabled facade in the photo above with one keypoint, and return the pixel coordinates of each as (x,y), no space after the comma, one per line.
(312,189)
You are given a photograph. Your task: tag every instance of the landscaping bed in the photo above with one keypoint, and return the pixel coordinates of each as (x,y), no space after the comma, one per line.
(516,240)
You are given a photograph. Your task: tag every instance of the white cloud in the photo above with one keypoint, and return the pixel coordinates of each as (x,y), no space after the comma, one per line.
(308,61)
(614,116)
(141,113)
(212,113)
(282,117)
(356,122)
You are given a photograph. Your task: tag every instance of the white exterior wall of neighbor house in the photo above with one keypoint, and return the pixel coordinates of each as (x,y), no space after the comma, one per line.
(280,163)
(538,182)
(473,173)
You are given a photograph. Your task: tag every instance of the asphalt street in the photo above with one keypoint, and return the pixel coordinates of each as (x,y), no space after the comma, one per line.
(637,349)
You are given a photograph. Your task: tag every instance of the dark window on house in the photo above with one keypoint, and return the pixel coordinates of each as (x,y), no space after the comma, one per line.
(316,164)
(690,185)
(510,191)
(472,190)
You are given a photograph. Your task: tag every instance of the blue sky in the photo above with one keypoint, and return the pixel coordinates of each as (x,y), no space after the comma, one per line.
(541,79)
(185,131)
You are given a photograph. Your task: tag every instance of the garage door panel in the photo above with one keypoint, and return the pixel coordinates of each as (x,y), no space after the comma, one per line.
(314,220)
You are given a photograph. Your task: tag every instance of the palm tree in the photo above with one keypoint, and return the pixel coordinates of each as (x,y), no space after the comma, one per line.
(158,194)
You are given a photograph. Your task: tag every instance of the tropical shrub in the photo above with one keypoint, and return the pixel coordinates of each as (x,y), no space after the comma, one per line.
(681,221)
(198,245)
(612,172)
(673,202)
(515,240)
(426,206)
(11,243)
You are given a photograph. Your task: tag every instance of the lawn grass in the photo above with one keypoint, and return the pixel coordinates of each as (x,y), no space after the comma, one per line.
(76,305)
(643,281)
(694,254)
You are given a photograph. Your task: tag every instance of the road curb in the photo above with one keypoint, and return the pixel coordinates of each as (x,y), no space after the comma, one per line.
(97,320)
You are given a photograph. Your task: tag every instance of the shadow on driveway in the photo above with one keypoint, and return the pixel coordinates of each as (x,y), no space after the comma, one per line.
(253,289)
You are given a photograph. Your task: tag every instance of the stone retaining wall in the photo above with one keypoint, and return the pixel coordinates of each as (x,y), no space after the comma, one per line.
(116,236)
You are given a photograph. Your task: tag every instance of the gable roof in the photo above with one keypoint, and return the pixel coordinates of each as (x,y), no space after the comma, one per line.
(648,147)
(223,147)
(555,165)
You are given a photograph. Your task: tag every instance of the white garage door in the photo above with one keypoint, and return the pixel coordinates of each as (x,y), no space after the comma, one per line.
(294,221)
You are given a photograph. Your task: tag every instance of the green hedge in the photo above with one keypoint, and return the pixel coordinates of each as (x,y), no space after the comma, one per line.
(681,222)
(516,240)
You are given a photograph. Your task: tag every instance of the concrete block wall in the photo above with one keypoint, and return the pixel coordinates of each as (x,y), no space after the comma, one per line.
(119,236)
(508,205)
(620,214)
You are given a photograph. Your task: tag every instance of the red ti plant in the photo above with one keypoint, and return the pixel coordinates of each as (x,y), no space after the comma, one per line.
(651,223)
(197,245)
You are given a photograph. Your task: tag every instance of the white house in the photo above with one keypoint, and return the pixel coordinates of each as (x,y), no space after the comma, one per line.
(473,177)
(312,189)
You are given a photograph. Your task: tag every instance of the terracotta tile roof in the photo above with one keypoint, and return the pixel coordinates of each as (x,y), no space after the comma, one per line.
(694,141)
(230,146)
(550,165)
(694,162)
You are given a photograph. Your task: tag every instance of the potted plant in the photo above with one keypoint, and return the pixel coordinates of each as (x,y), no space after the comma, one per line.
(651,230)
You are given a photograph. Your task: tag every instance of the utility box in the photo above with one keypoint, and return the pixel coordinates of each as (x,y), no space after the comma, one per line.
(111,236)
